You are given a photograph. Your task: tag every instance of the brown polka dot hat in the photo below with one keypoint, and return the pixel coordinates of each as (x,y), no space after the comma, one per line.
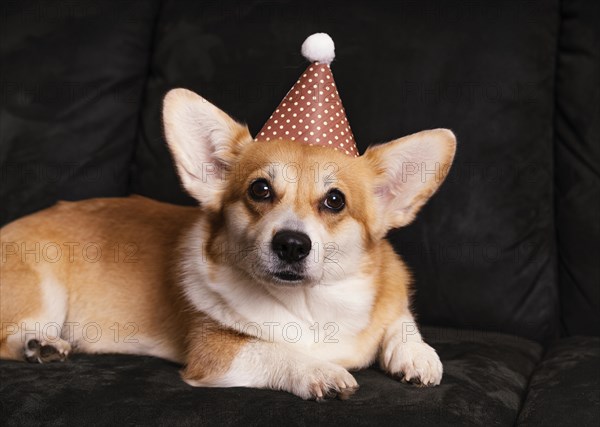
(312,112)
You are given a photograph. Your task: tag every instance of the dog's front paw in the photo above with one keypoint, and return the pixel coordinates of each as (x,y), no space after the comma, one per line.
(323,380)
(414,362)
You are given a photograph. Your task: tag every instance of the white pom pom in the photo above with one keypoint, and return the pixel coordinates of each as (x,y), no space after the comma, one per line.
(319,48)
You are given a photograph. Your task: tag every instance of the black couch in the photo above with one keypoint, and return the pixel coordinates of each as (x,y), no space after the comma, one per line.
(505,256)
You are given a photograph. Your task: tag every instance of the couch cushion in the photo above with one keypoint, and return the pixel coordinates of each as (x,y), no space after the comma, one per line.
(72,79)
(577,166)
(484,382)
(482,250)
(565,387)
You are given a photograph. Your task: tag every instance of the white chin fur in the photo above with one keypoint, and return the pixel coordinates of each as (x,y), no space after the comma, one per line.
(319,47)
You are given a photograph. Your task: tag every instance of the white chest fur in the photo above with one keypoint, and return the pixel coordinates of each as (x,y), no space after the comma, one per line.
(322,320)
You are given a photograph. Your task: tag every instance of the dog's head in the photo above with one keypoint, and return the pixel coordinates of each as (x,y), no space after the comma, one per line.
(287,213)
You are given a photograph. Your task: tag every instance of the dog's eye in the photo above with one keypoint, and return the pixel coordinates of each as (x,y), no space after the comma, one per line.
(334,200)
(260,190)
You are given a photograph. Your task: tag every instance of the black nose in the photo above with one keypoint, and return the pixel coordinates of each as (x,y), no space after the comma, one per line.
(291,246)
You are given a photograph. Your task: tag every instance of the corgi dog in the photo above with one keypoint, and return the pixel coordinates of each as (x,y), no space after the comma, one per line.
(280,279)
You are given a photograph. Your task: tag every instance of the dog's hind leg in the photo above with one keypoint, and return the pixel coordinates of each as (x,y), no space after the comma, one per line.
(33,308)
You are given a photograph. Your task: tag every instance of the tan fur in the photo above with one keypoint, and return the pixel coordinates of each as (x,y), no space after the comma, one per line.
(210,350)
(97,289)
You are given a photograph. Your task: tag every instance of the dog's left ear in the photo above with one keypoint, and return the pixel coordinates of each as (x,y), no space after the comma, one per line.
(408,171)
(204,141)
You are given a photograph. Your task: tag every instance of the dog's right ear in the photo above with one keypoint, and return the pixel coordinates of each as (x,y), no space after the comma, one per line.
(204,141)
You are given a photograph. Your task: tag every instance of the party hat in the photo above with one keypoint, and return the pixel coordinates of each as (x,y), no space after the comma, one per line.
(312,112)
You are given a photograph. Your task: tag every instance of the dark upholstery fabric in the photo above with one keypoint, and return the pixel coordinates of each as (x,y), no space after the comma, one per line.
(71,87)
(484,384)
(483,249)
(577,166)
(565,387)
